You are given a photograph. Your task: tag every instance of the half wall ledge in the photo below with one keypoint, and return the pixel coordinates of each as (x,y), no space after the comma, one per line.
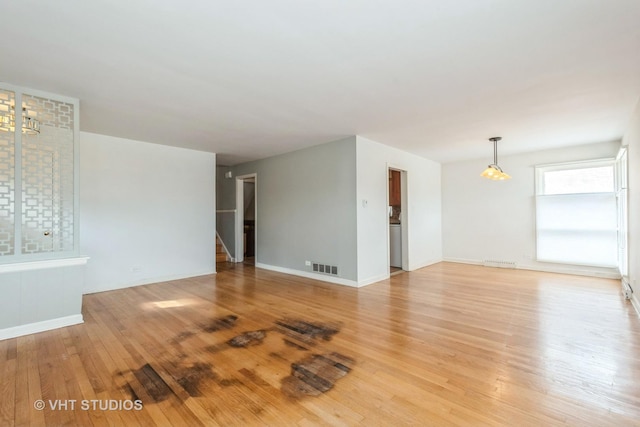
(40,295)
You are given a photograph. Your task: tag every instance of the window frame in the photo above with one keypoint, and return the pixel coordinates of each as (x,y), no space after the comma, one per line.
(540,170)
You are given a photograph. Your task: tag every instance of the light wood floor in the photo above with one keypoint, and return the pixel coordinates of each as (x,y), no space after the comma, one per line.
(449,344)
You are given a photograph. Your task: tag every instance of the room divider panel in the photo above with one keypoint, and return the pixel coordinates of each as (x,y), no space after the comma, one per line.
(41,273)
(38,175)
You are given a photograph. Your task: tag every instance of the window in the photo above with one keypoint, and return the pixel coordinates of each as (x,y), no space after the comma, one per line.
(576,216)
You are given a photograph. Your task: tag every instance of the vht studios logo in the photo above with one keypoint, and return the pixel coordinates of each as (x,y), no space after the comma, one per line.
(88,405)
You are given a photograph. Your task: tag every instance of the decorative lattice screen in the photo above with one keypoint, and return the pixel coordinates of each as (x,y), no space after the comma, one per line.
(47,178)
(7,178)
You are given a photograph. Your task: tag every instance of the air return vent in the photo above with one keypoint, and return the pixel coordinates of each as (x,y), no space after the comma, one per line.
(500,264)
(325,268)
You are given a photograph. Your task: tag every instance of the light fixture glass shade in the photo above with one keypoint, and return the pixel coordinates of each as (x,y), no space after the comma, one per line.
(493,171)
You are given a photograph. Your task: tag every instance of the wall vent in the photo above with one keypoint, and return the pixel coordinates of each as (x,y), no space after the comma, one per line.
(499,264)
(325,268)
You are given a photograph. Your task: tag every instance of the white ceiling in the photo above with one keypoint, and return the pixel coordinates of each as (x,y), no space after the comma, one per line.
(250,79)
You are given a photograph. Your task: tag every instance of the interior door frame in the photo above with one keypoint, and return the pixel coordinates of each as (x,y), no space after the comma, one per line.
(404,217)
(239,228)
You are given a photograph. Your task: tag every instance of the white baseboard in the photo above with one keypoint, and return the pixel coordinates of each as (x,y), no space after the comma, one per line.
(372,280)
(46,325)
(309,275)
(548,269)
(337,280)
(573,271)
(463,261)
(147,281)
(424,264)
(635,303)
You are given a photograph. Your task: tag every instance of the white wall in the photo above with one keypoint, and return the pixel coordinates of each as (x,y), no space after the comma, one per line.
(495,220)
(632,141)
(41,295)
(424,220)
(147,212)
(306,212)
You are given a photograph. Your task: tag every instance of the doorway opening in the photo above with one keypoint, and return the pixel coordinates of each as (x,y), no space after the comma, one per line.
(246,218)
(398,227)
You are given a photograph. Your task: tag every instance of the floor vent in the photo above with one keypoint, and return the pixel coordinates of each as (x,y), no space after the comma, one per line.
(325,268)
(499,264)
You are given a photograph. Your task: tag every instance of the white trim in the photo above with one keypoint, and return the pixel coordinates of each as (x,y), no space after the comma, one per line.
(17,182)
(46,325)
(39,265)
(19,93)
(76,176)
(404,217)
(149,281)
(548,269)
(463,261)
(238,228)
(309,275)
(424,264)
(574,271)
(372,280)
(39,93)
(635,303)
(334,280)
(540,170)
(577,164)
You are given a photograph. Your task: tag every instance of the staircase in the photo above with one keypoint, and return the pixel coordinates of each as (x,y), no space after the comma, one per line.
(221,254)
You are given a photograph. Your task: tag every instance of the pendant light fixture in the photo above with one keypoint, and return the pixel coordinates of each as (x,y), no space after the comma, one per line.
(493,171)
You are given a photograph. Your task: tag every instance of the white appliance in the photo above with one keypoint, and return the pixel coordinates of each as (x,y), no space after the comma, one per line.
(395,245)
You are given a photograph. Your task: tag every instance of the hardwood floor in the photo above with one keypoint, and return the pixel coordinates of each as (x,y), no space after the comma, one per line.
(449,344)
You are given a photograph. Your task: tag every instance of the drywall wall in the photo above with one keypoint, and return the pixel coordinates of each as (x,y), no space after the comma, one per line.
(423,216)
(632,141)
(147,212)
(495,220)
(305,204)
(40,295)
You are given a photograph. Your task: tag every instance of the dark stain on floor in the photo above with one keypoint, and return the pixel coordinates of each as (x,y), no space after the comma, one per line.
(191,377)
(307,332)
(182,336)
(217,324)
(153,384)
(215,348)
(315,374)
(255,378)
(310,376)
(248,339)
(227,382)
(221,323)
(129,390)
(294,345)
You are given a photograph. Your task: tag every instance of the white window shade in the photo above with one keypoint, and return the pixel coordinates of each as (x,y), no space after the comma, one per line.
(577,229)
